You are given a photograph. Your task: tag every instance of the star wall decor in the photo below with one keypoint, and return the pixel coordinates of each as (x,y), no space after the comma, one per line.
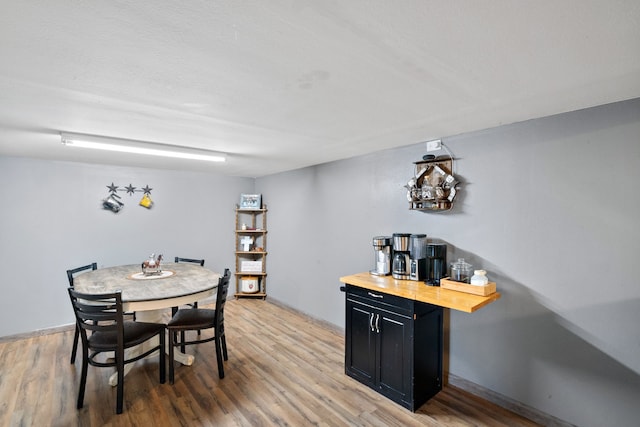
(129,189)
(113,201)
(112,188)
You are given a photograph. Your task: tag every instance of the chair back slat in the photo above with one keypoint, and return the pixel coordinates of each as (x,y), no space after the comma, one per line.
(97,312)
(72,272)
(192,260)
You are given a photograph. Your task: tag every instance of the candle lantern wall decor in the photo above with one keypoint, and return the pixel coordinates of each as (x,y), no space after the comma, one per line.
(433,187)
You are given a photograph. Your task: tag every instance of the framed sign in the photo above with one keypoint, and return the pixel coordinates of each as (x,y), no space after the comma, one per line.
(251,201)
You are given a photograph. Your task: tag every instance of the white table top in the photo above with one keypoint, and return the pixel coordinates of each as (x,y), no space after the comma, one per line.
(189,283)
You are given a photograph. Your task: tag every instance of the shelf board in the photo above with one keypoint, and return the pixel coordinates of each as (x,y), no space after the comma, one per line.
(262,295)
(250,273)
(251,231)
(251,252)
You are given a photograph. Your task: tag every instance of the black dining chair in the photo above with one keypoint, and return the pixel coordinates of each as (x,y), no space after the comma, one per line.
(195,319)
(195,303)
(70,275)
(101,314)
(193,261)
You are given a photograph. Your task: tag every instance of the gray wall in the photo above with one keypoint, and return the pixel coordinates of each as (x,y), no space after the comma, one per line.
(51,220)
(549,207)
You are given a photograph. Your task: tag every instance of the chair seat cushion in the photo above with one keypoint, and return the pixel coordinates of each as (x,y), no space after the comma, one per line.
(134,333)
(193,318)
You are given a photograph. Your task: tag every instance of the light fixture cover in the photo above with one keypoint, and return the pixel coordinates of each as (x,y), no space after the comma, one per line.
(138,147)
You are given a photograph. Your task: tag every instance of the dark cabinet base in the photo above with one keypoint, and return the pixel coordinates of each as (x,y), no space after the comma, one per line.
(394,345)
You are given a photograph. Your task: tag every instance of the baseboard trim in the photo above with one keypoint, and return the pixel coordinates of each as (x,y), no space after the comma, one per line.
(519,408)
(38,333)
(323,323)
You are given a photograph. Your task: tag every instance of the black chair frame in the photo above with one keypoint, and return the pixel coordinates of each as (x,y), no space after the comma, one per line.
(195,303)
(102,315)
(70,275)
(193,261)
(196,319)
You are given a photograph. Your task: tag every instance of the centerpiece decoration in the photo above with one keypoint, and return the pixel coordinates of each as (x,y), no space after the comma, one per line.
(151,266)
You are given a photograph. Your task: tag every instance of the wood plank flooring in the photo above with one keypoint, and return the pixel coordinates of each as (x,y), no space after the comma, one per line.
(284,369)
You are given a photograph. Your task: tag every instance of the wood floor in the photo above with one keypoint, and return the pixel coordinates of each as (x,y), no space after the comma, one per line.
(284,369)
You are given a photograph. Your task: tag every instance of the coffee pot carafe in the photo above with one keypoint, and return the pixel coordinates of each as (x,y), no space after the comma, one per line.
(401,260)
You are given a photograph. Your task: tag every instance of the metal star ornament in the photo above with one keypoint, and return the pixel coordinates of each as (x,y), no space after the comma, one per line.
(147,190)
(112,188)
(130,189)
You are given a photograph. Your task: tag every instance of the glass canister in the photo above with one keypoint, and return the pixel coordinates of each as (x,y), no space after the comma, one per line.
(461,271)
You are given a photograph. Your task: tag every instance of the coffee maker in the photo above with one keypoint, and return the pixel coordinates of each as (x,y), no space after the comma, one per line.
(382,249)
(436,263)
(401,260)
(418,255)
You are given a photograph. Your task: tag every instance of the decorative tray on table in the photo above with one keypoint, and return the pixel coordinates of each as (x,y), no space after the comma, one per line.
(161,275)
(485,290)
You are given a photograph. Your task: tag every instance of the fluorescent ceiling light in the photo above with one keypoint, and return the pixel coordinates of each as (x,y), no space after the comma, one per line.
(138,147)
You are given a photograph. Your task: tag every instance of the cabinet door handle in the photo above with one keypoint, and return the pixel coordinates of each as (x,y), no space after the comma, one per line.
(377,323)
(375,295)
(371,322)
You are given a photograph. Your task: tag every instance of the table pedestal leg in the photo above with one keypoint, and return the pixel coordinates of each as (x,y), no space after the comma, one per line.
(152,316)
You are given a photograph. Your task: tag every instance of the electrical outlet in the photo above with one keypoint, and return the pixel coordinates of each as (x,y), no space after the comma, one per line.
(434,145)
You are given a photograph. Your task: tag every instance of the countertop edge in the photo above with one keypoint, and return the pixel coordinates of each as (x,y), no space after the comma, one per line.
(418,291)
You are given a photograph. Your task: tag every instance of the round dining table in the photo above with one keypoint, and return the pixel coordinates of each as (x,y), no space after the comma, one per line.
(149,296)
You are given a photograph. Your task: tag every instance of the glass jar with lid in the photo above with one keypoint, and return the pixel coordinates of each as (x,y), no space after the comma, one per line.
(461,271)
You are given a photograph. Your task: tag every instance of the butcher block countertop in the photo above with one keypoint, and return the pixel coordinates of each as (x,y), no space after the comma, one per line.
(419,291)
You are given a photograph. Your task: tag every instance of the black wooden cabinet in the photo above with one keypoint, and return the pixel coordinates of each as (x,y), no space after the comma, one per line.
(394,345)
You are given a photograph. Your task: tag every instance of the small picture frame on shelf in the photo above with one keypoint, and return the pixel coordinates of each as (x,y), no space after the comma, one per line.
(251,201)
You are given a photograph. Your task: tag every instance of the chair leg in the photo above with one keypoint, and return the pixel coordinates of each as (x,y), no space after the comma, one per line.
(172,339)
(163,362)
(219,357)
(83,379)
(120,386)
(195,305)
(76,337)
(223,338)
(182,339)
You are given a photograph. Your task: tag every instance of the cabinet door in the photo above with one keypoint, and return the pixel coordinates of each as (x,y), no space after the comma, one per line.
(360,342)
(394,355)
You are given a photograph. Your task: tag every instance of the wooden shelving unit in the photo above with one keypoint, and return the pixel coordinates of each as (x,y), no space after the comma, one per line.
(251,251)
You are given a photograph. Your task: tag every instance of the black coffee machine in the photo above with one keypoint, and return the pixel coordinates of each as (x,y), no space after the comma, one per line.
(436,263)
(418,255)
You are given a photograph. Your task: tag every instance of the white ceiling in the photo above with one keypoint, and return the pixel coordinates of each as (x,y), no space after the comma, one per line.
(281,85)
